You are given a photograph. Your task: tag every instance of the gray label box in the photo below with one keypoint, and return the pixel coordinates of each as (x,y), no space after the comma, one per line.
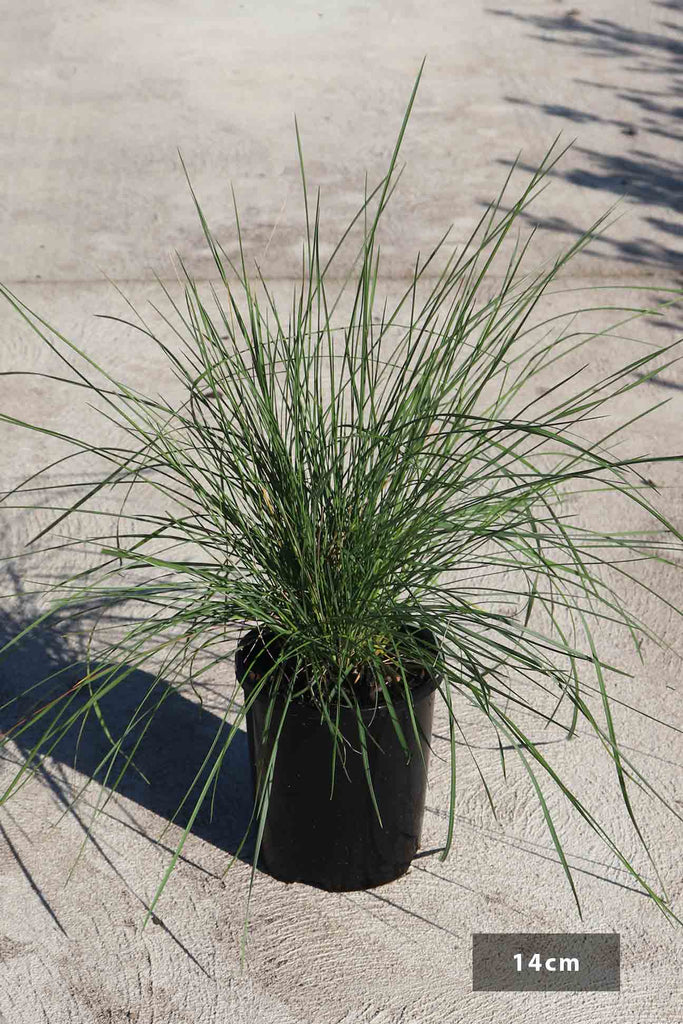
(545,962)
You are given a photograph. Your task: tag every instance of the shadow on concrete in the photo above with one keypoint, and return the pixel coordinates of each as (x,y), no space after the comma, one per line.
(643,70)
(662,382)
(35,888)
(542,851)
(170,754)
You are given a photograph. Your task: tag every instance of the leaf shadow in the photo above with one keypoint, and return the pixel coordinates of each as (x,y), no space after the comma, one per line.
(168,759)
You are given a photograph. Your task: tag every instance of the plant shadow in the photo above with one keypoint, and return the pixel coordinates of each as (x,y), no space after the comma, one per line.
(170,755)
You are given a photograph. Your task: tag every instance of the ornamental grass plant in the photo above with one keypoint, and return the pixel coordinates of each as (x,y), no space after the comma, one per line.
(341,482)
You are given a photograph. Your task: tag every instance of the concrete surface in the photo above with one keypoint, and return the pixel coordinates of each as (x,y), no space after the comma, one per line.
(95,100)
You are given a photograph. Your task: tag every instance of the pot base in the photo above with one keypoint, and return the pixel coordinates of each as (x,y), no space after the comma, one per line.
(342,882)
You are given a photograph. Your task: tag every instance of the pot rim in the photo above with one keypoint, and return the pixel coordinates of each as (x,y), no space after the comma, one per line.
(418,693)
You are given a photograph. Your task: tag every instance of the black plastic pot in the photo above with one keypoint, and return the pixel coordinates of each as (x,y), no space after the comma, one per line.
(337,843)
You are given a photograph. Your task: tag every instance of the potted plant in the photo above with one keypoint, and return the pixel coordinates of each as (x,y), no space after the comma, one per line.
(380,509)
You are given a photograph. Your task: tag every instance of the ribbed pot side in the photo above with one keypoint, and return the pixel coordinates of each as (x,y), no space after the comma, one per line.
(335,842)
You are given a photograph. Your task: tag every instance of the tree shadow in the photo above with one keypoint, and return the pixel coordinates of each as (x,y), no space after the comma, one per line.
(177,738)
(643,70)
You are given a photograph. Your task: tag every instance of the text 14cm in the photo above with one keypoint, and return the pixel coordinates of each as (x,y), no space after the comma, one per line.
(534,963)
